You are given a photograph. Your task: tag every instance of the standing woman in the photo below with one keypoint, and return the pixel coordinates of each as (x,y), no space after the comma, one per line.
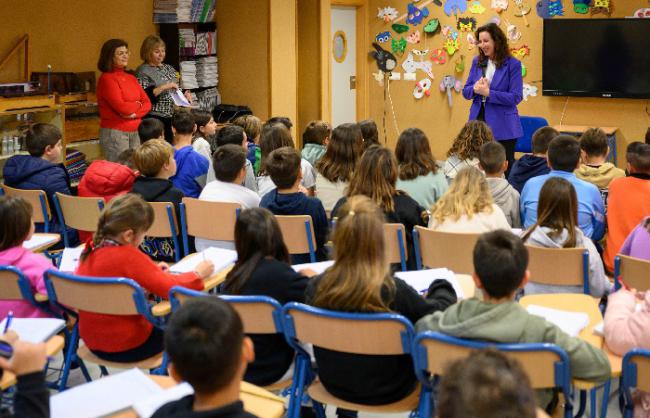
(495,87)
(159,81)
(122,102)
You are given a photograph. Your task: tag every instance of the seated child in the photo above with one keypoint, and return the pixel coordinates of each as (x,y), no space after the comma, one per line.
(466,148)
(206,127)
(486,384)
(535,164)
(108,179)
(500,270)
(209,355)
(262,268)
(17,227)
(283,165)
(315,140)
(594,168)
(418,173)
(557,227)
(151,128)
(637,244)
(155,161)
(369,132)
(467,207)
(253,127)
(229,162)
(493,162)
(114,253)
(233,134)
(191,167)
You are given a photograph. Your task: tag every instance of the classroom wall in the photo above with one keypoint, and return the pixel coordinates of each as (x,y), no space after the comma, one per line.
(442,123)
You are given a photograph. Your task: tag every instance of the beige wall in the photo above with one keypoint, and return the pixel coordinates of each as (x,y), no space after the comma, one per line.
(309,65)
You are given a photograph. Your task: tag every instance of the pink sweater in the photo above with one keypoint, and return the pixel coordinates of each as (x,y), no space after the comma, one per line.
(33,266)
(625,329)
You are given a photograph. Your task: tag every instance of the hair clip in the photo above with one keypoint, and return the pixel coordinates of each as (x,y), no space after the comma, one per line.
(351,213)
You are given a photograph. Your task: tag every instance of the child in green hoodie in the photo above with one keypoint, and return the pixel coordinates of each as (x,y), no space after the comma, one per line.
(315,140)
(500,269)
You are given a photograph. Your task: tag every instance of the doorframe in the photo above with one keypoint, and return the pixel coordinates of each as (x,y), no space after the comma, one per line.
(362,82)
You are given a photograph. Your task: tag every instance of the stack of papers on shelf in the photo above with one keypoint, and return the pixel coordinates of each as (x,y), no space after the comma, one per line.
(35,330)
(207,99)
(207,72)
(186,42)
(420,280)
(188,75)
(184,10)
(206,43)
(203,10)
(220,257)
(570,322)
(164,11)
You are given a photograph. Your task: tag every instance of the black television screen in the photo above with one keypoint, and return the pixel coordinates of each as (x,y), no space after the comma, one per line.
(596,58)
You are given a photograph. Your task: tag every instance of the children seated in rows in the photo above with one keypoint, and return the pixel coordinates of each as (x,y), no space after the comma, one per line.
(206,127)
(535,164)
(465,150)
(369,132)
(108,179)
(593,153)
(151,128)
(315,140)
(253,127)
(233,134)
(191,167)
(494,164)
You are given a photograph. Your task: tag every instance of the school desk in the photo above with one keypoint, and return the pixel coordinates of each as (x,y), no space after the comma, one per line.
(41,242)
(257,401)
(467,284)
(52,347)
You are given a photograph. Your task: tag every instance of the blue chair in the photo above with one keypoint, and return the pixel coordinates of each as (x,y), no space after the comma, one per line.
(165,225)
(559,266)
(298,234)
(208,220)
(636,375)
(547,365)
(15,286)
(395,239)
(101,295)
(529,124)
(80,213)
(358,333)
(634,271)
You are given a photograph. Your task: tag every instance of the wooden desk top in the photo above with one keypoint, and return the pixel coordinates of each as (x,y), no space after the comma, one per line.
(609,130)
(257,401)
(53,239)
(52,346)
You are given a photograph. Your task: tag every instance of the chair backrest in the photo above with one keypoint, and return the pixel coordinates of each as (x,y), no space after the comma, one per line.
(395,238)
(559,266)
(636,373)
(13,284)
(38,200)
(102,295)
(259,314)
(529,125)
(209,220)
(436,249)
(635,272)
(359,333)
(80,213)
(547,365)
(298,234)
(165,225)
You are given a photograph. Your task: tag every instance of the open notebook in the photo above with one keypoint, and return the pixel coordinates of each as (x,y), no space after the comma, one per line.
(35,330)
(570,322)
(318,267)
(221,258)
(420,280)
(38,240)
(145,408)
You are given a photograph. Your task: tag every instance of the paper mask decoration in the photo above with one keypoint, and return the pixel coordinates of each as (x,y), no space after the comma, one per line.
(476,7)
(432,26)
(439,57)
(387,14)
(456,7)
(602,6)
(448,83)
(383,37)
(521,51)
(529,91)
(466,24)
(524,70)
(398,47)
(422,88)
(524,9)
(471,41)
(399,28)
(581,6)
(499,5)
(514,34)
(643,13)
(460,64)
(546,9)
(386,61)
(496,20)
(451,45)
(414,38)
(415,15)
(410,65)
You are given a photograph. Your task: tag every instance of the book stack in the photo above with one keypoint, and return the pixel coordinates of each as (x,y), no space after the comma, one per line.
(186,42)
(202,10)
(206,43)
(188,75)
(207,99)
(184,11)
(206,71)
(164,11)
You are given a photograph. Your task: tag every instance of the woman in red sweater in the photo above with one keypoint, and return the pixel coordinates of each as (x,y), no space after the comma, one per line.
(122,101)
(114,253)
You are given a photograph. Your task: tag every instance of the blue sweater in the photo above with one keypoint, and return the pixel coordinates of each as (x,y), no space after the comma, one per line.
(191,171)
(300,204)
(525,168)
(591,210)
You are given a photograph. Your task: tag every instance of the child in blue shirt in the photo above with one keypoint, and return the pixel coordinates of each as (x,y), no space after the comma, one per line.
(191,167)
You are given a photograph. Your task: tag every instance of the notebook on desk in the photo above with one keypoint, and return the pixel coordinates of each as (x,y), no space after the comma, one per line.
(35,330)
(420,280)
(318,267)
(145,408)
(39,240)
(221,258)
(571,323)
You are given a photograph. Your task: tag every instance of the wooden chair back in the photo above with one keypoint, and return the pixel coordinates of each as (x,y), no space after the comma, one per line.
(38,200)
(558,266)
(162,227)
(643,373)
(395,242)
(9,287)
(438,249)
(635,272)
(294,232)
(210,220)
(80,213)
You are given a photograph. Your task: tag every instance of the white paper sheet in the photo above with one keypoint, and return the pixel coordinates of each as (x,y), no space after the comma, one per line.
(34,330)
(179,98)
(147,407)
(318,267)
(221,258)
(37,240)
(104,396)
(570,322)
(420,280)
(70,259)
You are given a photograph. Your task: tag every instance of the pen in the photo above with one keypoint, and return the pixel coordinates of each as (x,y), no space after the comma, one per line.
(10,316)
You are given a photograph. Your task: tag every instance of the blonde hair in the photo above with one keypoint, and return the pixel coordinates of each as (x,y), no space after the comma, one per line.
(468,194)
(375,177)
(150,157)
(467,144)
(150,43)
(252,126)
(361,269)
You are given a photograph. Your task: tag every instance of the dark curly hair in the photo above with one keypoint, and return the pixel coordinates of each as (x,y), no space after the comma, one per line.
(501,50)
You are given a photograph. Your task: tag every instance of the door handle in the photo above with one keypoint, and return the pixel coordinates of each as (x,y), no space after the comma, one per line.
(353,82)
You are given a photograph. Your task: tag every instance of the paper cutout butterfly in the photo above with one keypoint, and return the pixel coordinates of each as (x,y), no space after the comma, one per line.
(521,51)
(414,38)
(416,15)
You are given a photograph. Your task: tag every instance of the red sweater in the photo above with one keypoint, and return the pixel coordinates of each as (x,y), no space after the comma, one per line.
(119,94)
(115,333)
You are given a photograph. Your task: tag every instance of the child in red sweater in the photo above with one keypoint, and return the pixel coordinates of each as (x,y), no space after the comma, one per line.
(114,253)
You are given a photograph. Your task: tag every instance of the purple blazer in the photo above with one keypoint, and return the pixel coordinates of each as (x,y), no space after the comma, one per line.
(506,91)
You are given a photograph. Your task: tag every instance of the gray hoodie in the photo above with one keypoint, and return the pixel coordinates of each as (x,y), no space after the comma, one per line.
(599,285)
(507,198)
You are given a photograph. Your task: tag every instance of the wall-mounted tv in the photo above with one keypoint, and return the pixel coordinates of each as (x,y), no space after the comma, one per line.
(596,58)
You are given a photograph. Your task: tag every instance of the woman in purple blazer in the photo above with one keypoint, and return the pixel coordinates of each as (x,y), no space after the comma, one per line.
(494,86)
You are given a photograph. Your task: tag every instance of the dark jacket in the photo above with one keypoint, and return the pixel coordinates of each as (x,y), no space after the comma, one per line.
(182,408)
(300,204)
(525,168)
(31,399)
(374,380)
(273,355)
(407,212)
